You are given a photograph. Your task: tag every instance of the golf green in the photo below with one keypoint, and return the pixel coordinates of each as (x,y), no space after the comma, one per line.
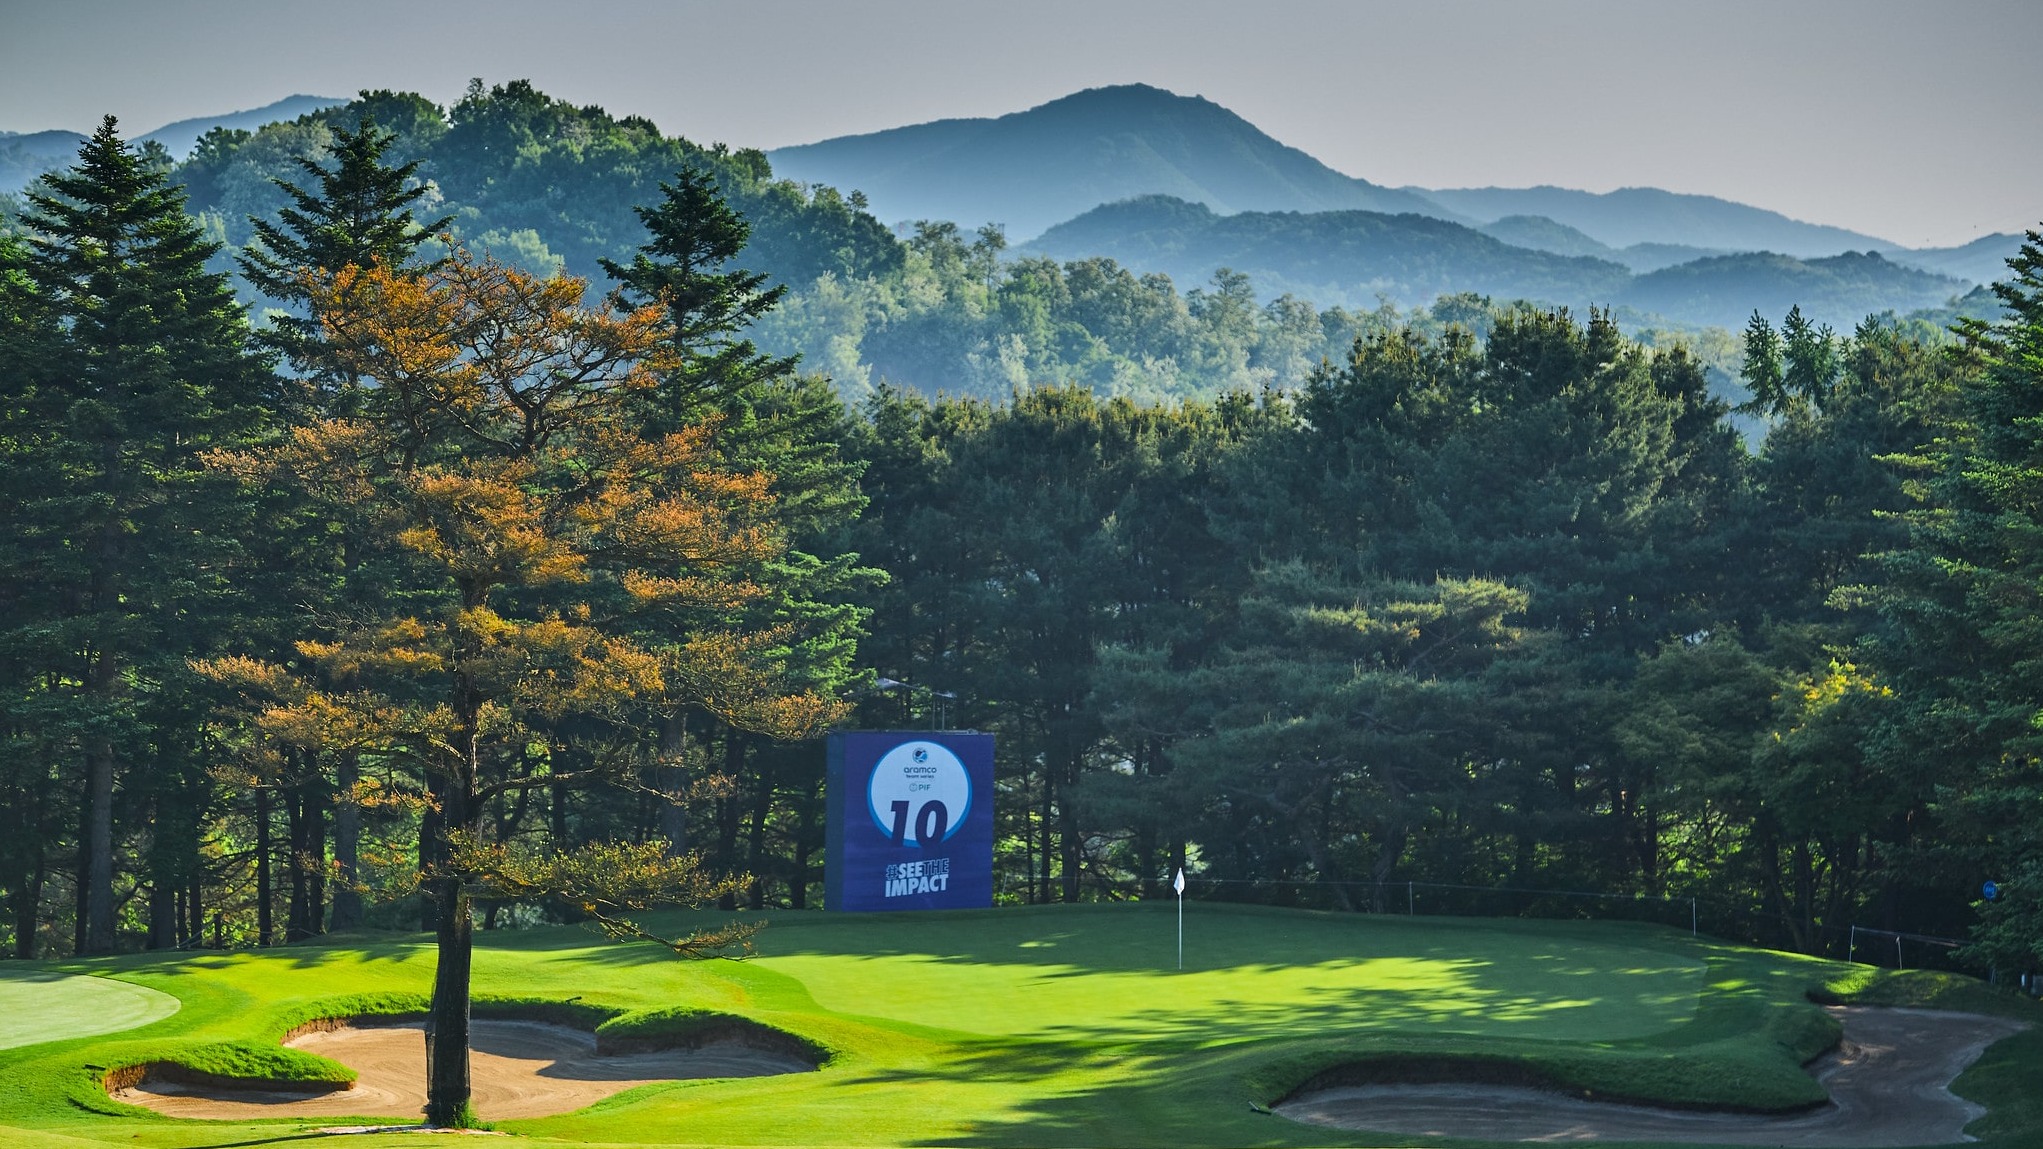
(38,1006)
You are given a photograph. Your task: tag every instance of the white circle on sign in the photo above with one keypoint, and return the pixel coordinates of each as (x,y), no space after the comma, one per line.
(919,788)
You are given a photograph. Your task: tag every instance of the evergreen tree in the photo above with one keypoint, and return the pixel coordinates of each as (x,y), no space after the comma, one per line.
(122,537)
(355,212)
(1961,602)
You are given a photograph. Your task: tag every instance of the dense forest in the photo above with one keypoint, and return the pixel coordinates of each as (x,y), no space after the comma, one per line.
(452,579)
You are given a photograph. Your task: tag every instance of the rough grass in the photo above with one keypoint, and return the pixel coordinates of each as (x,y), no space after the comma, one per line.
(1053,1026)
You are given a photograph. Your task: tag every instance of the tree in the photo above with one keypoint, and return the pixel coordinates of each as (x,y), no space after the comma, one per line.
(355,213)
(545,535)
(120,536)
(1960,603)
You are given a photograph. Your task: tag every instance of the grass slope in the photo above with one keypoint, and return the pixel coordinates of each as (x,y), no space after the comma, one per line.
(1050,1026)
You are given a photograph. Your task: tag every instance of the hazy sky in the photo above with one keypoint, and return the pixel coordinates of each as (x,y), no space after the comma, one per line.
(1917,122)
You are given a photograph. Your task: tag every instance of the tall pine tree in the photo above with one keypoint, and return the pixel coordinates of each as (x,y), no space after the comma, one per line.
(123,537)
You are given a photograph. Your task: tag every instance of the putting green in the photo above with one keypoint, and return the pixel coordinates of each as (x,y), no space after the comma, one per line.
(1116,978)
(41,1006)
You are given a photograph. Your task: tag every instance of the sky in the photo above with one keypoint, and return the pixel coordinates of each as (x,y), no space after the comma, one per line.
(1916,122)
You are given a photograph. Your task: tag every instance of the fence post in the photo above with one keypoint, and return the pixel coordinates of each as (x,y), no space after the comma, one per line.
(1694,921)
(1852,947)
(1898,963)
(1411,902)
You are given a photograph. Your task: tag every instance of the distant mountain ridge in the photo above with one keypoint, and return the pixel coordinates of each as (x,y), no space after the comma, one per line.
(180,137)
(1031,169)
(1649,215)
(1353,257)
(26,155)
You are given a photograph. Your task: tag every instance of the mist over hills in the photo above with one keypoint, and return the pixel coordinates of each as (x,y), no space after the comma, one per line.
(1649,215)
(180,137)
(1352,258)
(1180,185)
(26,155)
(1344,257)
(1031,169)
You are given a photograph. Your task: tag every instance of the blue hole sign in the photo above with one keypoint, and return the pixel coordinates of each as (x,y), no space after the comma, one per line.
(1990,890)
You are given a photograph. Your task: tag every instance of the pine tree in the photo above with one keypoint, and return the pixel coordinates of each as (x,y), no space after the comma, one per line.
(1961,605)
(147,367)
(684,267)
(544,535)
(356,212)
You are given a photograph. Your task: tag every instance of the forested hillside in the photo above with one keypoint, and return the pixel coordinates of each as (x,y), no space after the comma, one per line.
(455,581)
(1152,299)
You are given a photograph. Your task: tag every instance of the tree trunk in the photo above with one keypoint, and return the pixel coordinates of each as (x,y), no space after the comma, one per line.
(674,783)
(296,911)
(99,866)
(28,899)
(162,915)
(265,925)
(447,1080)
(1049,797)
(755,843)
(429,835)
(727,811)
(347,844)
(1072,860)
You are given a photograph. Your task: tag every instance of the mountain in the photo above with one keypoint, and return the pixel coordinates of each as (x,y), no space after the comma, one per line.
(1028,170)
(1648,215)
(1542,234)
(179,137)
(1335,257)
(1839,290)
(1984,260)
(1352,257)
(26,155)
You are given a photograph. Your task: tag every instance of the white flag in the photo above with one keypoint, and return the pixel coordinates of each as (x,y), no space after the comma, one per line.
(1179,884)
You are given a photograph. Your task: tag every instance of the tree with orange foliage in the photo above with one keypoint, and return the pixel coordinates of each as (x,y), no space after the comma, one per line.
(557,563)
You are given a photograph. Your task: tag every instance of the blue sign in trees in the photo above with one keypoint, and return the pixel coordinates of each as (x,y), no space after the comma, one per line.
(910,821)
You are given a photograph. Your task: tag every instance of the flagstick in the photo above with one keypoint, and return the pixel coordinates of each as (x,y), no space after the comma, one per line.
(1180,887)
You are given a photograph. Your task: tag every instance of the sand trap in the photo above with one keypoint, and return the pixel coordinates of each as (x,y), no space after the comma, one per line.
(518,1069)
(1888,1083)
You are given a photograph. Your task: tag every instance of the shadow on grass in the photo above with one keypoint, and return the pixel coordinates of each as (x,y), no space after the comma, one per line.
(277,1140)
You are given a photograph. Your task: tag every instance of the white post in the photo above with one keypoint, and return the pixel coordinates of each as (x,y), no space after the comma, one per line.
(1851,948)
(1179,885)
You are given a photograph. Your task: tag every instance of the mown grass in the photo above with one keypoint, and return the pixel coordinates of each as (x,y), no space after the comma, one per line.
(1052,1026)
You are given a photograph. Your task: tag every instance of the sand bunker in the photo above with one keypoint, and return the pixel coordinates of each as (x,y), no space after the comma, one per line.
(518,1069)
(1888,1082)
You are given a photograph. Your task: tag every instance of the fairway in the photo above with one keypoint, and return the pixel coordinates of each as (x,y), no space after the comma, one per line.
(37,1007)
(1043,1026)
